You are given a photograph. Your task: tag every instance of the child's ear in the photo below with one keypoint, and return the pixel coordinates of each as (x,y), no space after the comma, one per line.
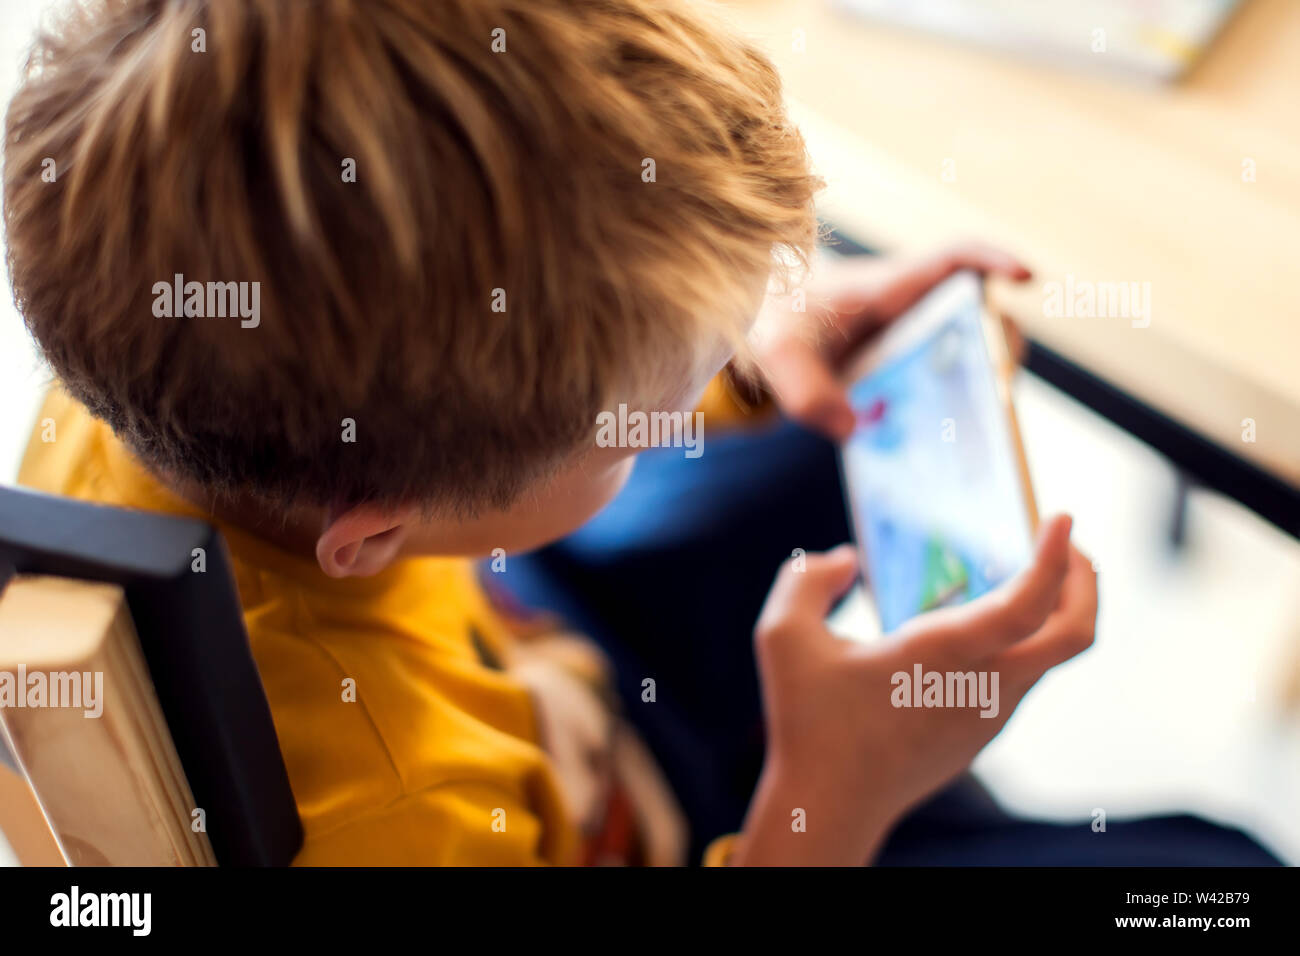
(360,541)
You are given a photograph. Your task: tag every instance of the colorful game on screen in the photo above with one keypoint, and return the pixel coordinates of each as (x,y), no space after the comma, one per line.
(937,500)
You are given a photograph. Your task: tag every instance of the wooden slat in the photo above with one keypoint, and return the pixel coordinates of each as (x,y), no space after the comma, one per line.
(23,824)
(112,787)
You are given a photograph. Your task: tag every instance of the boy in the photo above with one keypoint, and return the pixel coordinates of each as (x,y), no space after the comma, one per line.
(456,234)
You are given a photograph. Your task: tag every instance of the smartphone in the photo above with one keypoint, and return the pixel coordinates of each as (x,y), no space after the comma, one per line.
(934,474)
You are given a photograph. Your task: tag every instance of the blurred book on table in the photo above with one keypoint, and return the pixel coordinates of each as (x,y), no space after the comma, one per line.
(1155,39)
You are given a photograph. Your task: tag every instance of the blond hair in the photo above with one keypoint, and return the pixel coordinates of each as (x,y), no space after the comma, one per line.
(613,174)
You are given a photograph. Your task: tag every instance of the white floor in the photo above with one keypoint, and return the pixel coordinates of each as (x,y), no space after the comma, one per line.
(1179,704)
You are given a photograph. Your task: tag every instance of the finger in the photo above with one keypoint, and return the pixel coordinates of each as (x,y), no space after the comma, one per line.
(1015,610)
(1068,631)
(807,390)
(905,284)
(980,257)
(809,594)
(1019,607)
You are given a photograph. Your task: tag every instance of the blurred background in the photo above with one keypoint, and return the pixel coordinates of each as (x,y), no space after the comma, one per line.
(1145,141)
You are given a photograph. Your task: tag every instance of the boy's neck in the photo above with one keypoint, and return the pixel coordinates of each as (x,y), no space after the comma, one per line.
(295,531)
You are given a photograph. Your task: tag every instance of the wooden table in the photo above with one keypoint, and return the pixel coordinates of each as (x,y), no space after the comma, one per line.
(1087,175)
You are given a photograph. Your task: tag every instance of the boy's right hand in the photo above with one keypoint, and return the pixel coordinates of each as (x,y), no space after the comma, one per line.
(838,748)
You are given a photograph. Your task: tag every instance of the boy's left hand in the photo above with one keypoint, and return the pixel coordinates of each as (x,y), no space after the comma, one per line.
(850,299)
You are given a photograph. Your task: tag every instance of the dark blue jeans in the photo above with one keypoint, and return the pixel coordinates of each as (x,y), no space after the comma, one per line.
(669,579)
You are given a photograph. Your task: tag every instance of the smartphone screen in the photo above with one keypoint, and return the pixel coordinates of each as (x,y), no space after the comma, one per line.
(931,472)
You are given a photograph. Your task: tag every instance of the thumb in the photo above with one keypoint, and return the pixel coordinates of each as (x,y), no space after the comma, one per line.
(807,586)
(1001,618)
